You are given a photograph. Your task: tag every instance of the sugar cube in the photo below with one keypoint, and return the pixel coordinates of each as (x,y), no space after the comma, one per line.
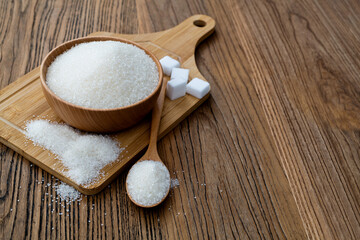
(198,88)
(168,63)
(175,88)
(180,73)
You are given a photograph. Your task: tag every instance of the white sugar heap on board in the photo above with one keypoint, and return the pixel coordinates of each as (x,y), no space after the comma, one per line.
(103,74)
(148,182)
(83,155)
(67,193)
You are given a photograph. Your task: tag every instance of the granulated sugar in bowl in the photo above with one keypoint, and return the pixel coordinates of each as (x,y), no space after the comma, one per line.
(103,74)
(101,84)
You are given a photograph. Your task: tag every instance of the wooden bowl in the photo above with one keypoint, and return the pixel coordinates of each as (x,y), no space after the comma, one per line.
(92,119)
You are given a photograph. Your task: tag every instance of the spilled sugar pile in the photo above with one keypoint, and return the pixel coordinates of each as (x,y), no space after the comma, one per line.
(85,155)
(82,155)
(103,74)
(148,182)
(67,193)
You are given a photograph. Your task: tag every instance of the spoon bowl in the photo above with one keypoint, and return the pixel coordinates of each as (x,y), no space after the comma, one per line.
(152,153)
(144,158)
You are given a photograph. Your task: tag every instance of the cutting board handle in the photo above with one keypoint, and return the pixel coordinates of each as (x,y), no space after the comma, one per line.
(201,27)
(187,35)
(180,40)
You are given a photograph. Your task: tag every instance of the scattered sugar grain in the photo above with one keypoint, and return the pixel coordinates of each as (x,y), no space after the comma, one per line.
(103,74)
(174,183)
(148,182)
(83,155)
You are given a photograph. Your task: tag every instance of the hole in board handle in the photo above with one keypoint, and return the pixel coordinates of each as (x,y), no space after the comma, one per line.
(199,23)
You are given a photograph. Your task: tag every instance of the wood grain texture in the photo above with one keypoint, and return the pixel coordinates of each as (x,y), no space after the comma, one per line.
(277,143)
(305,67)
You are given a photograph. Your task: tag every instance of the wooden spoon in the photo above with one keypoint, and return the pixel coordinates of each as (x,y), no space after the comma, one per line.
(152,153)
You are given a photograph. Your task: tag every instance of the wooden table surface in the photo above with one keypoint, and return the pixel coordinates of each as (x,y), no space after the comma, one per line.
(273,154)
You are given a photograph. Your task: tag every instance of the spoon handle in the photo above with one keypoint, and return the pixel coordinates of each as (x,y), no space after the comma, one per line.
(155,120)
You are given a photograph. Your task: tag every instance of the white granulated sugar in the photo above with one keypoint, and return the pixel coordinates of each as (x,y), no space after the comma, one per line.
(174,183)
(67,193)
(103,74)
(95,152)
(53,137)
(83,156)
(148,182)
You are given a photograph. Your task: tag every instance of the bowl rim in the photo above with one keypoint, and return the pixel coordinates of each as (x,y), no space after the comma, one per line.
(98,39)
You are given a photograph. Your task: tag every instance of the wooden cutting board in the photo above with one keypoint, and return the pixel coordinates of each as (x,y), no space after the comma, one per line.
(23,100)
